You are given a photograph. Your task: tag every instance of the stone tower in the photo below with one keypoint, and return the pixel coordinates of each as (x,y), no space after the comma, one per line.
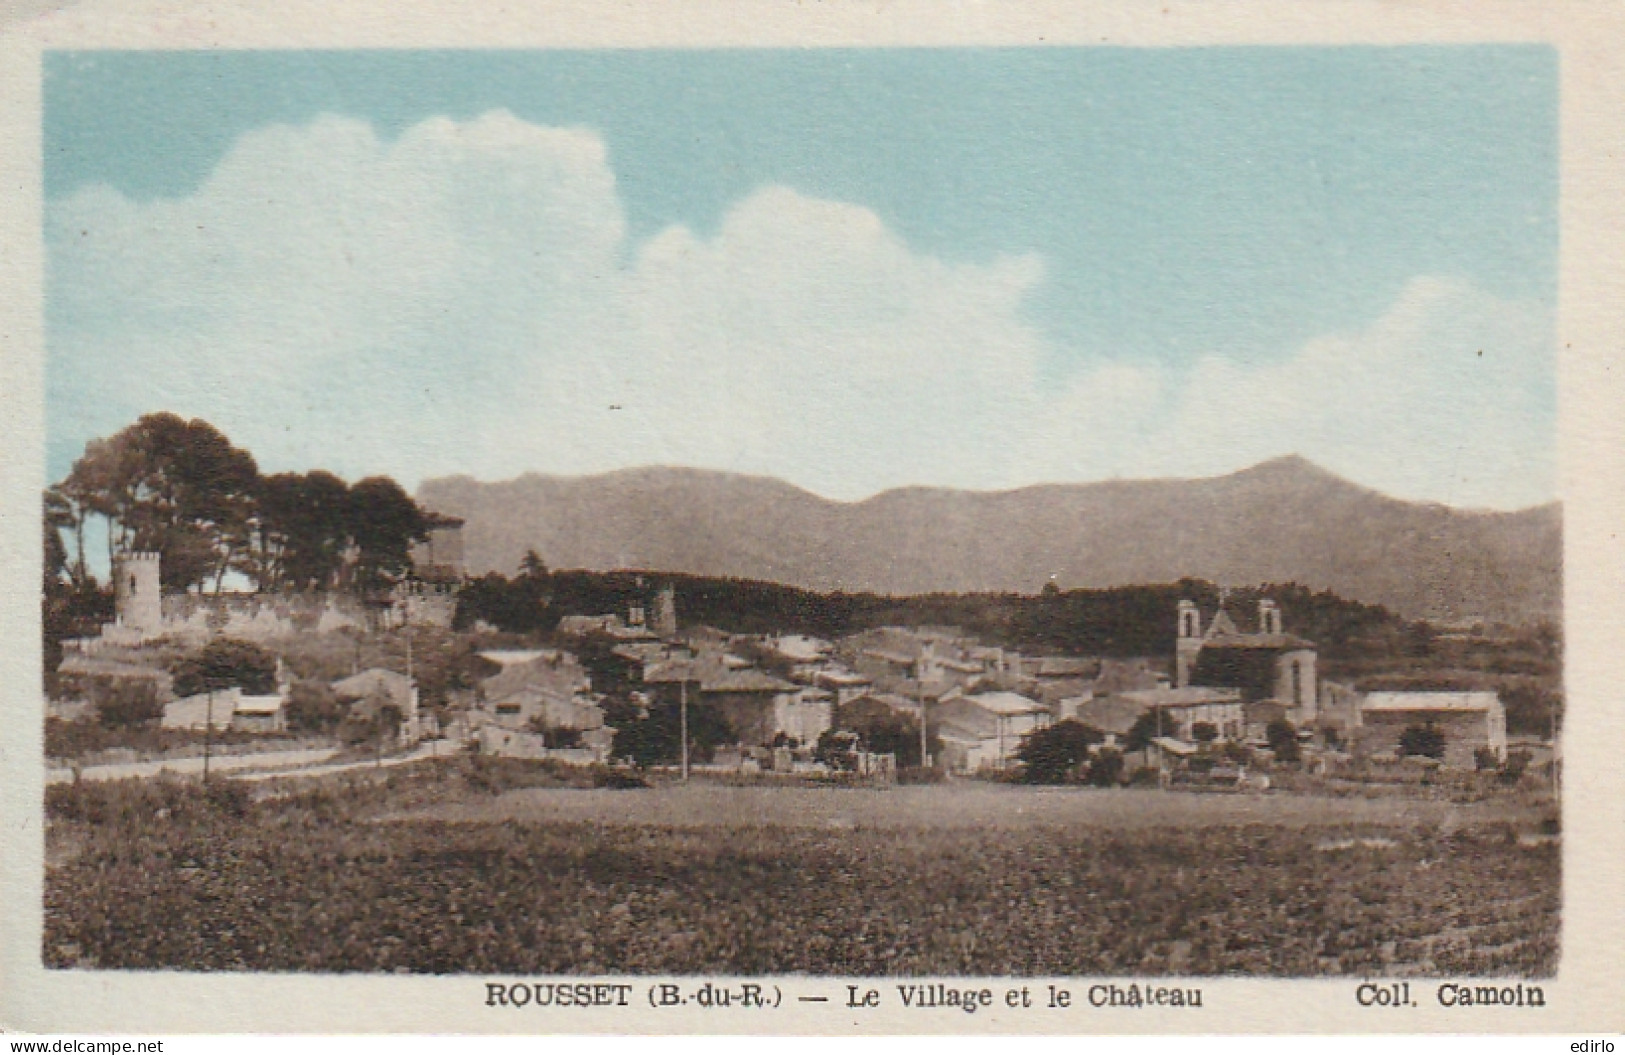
(137,598)
(1188,644)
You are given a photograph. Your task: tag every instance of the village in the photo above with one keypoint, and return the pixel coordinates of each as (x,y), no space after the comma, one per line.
(1236,692)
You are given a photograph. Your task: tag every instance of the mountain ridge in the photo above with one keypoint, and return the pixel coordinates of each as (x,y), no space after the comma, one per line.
(1286,519)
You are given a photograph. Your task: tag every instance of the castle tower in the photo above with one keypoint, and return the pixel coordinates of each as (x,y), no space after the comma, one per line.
(1269,617)
(137,597)
(663,621)
(1188,643)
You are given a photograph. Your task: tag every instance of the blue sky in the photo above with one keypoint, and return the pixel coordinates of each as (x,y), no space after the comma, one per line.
(853,269)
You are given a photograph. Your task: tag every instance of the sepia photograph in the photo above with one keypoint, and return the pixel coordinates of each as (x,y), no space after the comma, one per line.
(900,512)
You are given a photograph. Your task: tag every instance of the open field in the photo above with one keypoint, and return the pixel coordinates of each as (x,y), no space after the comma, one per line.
(967,805)
(907,881)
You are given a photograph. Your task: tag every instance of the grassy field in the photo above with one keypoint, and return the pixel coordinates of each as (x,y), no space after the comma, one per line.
(969,879)
(968,804)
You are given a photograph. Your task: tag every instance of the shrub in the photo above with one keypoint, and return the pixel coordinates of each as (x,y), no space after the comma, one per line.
(1106,767)
(491,775)
(619,778)
(1485,760)
(1283,740)
(124,802)
(1144,777)
(228,798)
(1204,732)
(312,705)
(1144,730)
(1335,738)
(226,663)
(1513,769)
(837,749)
(1051,755)
(84,738)
(883,731)
(125,702)
(656,739)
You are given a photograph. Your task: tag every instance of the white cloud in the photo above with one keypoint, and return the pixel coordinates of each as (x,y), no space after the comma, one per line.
(465,299)
(1448,397)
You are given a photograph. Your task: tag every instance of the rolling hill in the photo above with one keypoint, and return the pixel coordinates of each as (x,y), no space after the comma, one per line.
(1280,521)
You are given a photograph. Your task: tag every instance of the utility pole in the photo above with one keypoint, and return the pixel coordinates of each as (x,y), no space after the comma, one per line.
(925,756)
(208,733)
(1162,755)
(410,685)
(682,718)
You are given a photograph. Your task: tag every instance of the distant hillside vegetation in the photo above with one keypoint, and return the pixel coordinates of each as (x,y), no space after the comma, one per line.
(1282,521)
(1122,621)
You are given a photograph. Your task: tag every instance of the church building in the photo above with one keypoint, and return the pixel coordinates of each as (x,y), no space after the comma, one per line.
(1266,665)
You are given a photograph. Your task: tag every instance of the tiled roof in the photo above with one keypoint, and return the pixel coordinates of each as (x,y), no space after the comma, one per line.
(1006,703)
(1066,667)
(555,673)
(1111,714)
(370,681)
(1191,696)
(1271,641)
(715,674)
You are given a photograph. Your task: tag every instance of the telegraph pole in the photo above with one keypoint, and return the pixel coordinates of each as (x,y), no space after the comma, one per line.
(682,719)
(925,757)
(208,733)
(410,685)
(1162,755)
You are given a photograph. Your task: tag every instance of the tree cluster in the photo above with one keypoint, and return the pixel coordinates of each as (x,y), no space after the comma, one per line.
(875,727)
(226,663)
(1060,753)
(656,738)
(521,605)
(1120,621)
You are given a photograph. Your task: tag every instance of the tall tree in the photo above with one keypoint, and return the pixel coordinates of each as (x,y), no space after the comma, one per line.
(384,522)
(65,512)
(532,566)
(305,524)
(174,486)
(58,515)
(225,663)
(72,603)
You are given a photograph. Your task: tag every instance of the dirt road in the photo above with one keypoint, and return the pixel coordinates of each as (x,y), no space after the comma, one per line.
(262,766)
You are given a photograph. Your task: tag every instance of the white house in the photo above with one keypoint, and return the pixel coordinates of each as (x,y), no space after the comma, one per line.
(984,731)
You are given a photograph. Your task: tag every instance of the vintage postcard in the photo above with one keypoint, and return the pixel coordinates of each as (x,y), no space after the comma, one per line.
(871,519)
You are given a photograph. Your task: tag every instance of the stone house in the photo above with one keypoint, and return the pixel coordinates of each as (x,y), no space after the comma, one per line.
(1467,720)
